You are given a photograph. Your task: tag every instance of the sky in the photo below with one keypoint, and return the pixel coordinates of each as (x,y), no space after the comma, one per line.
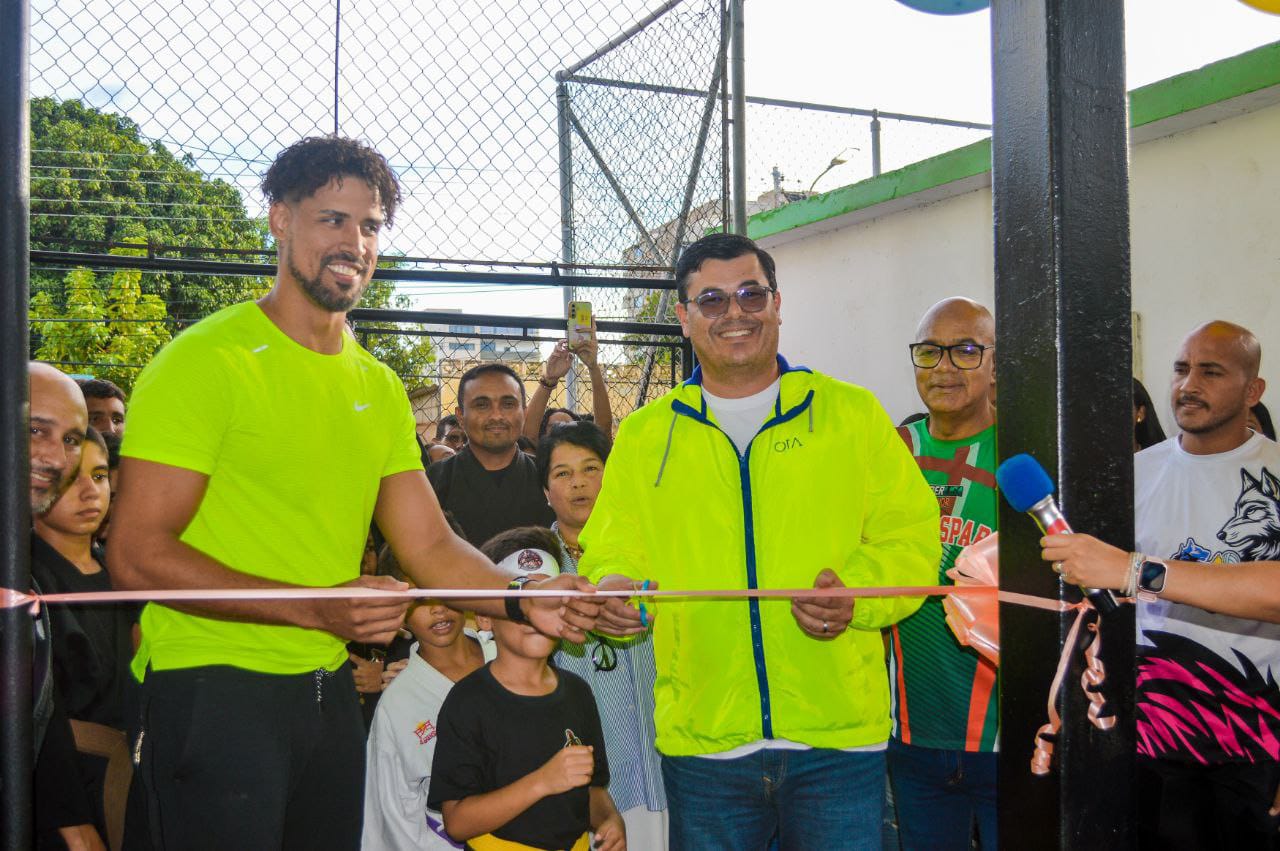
(225,85)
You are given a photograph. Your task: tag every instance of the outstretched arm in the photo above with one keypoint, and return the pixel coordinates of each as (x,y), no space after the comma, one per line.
(1246,590)
(588,352)
(146,551)
(409,516)
(556,367)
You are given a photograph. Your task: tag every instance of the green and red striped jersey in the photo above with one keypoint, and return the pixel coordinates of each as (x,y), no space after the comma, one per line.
(944,694)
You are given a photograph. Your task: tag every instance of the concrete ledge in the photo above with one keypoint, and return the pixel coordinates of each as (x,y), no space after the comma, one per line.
(1221,90)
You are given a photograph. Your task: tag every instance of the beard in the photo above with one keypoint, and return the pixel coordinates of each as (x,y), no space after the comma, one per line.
(1216,419)
(331,299)
(42,501)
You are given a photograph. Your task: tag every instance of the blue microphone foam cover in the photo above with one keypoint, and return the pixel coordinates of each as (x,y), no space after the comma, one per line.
(1023,481)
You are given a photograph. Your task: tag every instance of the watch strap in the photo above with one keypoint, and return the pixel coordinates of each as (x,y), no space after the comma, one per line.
(515,614)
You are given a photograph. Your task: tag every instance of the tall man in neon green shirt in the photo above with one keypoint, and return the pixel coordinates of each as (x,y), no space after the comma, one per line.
(261,442)
(772,716)
(942,759)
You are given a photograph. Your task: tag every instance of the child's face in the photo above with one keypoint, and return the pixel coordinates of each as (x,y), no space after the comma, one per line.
(434,623)
(522,640)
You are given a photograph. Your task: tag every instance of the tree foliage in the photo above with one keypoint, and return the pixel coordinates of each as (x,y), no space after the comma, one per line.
(408,356)
(106,334)
(96,180)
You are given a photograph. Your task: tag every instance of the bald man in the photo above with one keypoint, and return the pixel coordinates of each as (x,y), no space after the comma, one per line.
(942,760)
(1208,709)
(58,420)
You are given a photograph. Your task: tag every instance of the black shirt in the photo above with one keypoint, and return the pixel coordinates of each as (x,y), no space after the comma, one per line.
(91,643)
(486,502)
(489,737)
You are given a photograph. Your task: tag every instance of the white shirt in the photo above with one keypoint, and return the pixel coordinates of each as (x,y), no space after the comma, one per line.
(1218,509)
(741,418)
(402,743)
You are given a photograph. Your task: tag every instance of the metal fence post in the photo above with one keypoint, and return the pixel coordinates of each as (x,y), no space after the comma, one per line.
(16,752)
(1060,187)
(875,143)
(739,84)
(565,152)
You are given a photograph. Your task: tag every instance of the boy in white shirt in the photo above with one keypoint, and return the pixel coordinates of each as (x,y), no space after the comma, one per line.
(402,739)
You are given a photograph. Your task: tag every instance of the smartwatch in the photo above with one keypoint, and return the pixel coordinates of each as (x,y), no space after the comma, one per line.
(514,613)
(1152,576)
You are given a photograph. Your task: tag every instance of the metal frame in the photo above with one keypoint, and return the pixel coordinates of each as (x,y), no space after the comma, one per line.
(16,746)
(569,126)
(1060,187)
(1062,295)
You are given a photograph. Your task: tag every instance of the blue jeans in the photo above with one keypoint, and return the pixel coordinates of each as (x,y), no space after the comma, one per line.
(940,794)
(805,799)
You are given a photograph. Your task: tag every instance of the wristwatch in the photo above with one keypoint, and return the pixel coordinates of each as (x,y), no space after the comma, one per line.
(1152,575)
(514,613)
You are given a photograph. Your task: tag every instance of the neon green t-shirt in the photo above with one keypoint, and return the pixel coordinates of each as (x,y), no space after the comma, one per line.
(295,445)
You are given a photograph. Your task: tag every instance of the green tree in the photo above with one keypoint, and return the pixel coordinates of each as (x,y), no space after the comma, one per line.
(95,179)
(108,334)
(409,356)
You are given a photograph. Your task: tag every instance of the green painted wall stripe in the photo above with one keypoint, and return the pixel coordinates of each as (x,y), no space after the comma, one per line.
(1239,75)
(1229,78)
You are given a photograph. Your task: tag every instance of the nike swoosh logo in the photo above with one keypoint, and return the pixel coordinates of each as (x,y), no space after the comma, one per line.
(360,407)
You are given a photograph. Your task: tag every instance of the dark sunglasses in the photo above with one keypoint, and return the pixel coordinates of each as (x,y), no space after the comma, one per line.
(752,298)
(963,355)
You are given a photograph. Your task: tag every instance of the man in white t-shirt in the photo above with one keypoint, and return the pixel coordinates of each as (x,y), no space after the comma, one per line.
(1208,709)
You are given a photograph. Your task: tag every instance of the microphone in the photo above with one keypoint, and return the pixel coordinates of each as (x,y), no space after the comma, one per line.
(1027,487)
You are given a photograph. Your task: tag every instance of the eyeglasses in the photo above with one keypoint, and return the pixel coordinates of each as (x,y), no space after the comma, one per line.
(603,656)
(963,355)
(752,298)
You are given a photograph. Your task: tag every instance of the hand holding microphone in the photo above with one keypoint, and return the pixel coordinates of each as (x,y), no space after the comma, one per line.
(1028,488)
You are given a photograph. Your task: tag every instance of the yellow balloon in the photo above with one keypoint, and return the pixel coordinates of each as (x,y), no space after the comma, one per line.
(1272,6)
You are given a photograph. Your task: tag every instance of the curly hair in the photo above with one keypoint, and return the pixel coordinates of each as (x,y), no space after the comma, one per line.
(305,166)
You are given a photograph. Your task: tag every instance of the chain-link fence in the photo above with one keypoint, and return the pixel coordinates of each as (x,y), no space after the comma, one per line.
(153,122)
(545,153)
(797,149)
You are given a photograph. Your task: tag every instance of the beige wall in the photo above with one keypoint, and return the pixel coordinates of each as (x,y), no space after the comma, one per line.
(1205,230)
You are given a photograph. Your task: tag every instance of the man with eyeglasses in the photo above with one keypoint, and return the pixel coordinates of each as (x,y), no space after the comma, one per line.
(942,761)
(772,715)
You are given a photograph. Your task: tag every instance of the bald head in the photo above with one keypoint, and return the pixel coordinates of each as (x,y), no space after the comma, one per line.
(58,421)
(960,311)
(959,388)
(1230,339)
(1215,382)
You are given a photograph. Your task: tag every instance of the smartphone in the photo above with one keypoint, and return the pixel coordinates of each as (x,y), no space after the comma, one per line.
(579,322)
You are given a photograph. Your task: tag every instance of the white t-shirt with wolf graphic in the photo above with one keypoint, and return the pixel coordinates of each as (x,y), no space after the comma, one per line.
(1206,688)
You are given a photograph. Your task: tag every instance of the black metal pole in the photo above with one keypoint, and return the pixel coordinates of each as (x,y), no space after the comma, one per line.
(738,86)
(16,752)
(1060,186)
(337,59)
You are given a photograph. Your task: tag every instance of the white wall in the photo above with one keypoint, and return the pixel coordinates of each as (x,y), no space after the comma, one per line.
(1205,230)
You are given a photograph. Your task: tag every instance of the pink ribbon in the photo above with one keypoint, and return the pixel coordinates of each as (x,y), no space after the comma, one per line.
(1091,680)
(10,598)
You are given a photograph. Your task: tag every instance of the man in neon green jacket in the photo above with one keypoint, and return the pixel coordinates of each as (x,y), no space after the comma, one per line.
(772,715)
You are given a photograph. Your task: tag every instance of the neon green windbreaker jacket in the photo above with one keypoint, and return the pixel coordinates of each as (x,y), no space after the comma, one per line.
(826,482)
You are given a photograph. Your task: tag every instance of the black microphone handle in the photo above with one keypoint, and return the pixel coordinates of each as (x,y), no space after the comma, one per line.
(1048,516)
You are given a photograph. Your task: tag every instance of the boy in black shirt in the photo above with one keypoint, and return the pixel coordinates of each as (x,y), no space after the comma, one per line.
(520,755)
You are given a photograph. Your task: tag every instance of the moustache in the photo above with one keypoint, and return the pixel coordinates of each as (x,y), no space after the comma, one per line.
(1191,400)
(344,257)
(54,474)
